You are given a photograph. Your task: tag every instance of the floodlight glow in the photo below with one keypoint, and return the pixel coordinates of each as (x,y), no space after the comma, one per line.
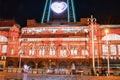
(59,7)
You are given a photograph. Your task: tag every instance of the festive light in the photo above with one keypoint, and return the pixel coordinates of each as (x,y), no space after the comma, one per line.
(59,7)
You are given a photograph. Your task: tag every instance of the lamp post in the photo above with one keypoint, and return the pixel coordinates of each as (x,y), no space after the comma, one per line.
(108,55)
(92,22)
(20,61)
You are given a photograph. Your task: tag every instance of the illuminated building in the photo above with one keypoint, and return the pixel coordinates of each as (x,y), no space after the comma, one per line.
(58,44)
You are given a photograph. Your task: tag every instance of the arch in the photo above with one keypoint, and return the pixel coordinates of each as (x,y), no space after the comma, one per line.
(111,37)
(3,39)
(74,62)
(53,66)
(10,63)
(84,65)
(41,64)
(62,65)
(31,64)
(22,64)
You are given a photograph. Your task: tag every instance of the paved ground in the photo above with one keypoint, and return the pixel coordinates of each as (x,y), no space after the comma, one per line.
(25,76)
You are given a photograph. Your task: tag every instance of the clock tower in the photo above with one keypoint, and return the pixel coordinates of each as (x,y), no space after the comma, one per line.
(59,11)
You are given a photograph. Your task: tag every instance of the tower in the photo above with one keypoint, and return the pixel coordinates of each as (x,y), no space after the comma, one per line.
(59,10)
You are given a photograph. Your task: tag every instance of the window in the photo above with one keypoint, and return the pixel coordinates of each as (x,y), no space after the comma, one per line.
(119,49)
(52,50)
(104,49)
(3,39)
(4,48)
(63,51)
(84,50)
(73,51)
(41,51)
(113,49)
(31,51)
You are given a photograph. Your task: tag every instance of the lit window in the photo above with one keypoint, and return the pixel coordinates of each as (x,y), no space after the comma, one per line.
(3,39)
(119,49)
(104,49)
(84,51)
(4,48)
(73,51)
(112,49)
(41,51)
(63,51)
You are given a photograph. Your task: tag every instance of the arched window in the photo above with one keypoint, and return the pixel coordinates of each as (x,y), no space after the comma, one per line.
(42,51)
(63,51)
(73,50)
(3,39)
(111,37)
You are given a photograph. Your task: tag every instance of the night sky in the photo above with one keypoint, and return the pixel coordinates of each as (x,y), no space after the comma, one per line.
(106,11)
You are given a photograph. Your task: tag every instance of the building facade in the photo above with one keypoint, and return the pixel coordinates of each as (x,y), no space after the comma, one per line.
(58,45)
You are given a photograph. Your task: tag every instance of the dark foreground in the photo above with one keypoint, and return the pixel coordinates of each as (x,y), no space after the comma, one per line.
(25,76)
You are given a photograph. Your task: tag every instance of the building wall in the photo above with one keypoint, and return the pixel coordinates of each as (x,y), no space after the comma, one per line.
(18,43)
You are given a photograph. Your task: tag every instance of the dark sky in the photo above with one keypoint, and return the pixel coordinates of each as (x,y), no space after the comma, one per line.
(106,11)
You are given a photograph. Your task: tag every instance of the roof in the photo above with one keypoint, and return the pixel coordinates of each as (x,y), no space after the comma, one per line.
(6,24)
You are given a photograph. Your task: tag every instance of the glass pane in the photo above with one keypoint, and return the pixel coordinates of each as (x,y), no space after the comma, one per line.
(104,49)
(4,48)
(112,49)
(119,49)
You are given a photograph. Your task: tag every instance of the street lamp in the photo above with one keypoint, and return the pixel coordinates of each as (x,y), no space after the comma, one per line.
(108,55)
(92,22)
(20,54)
(20,62)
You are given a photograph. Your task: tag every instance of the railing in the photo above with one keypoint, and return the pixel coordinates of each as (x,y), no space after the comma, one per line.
(55,71)
(41,71)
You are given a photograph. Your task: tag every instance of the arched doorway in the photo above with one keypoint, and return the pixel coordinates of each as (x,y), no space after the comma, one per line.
(52,64)
(73,62)
(84,65)
(10,63)
(41,65)
(31,64)
(62,65)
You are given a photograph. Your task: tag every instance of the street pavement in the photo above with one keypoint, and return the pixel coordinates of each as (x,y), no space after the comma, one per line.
(26,76)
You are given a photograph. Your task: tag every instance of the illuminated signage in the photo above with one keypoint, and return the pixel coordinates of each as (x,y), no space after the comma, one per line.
(59,7)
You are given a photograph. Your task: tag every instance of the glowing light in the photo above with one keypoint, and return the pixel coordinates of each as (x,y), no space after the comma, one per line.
(59,7)
(106,31)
